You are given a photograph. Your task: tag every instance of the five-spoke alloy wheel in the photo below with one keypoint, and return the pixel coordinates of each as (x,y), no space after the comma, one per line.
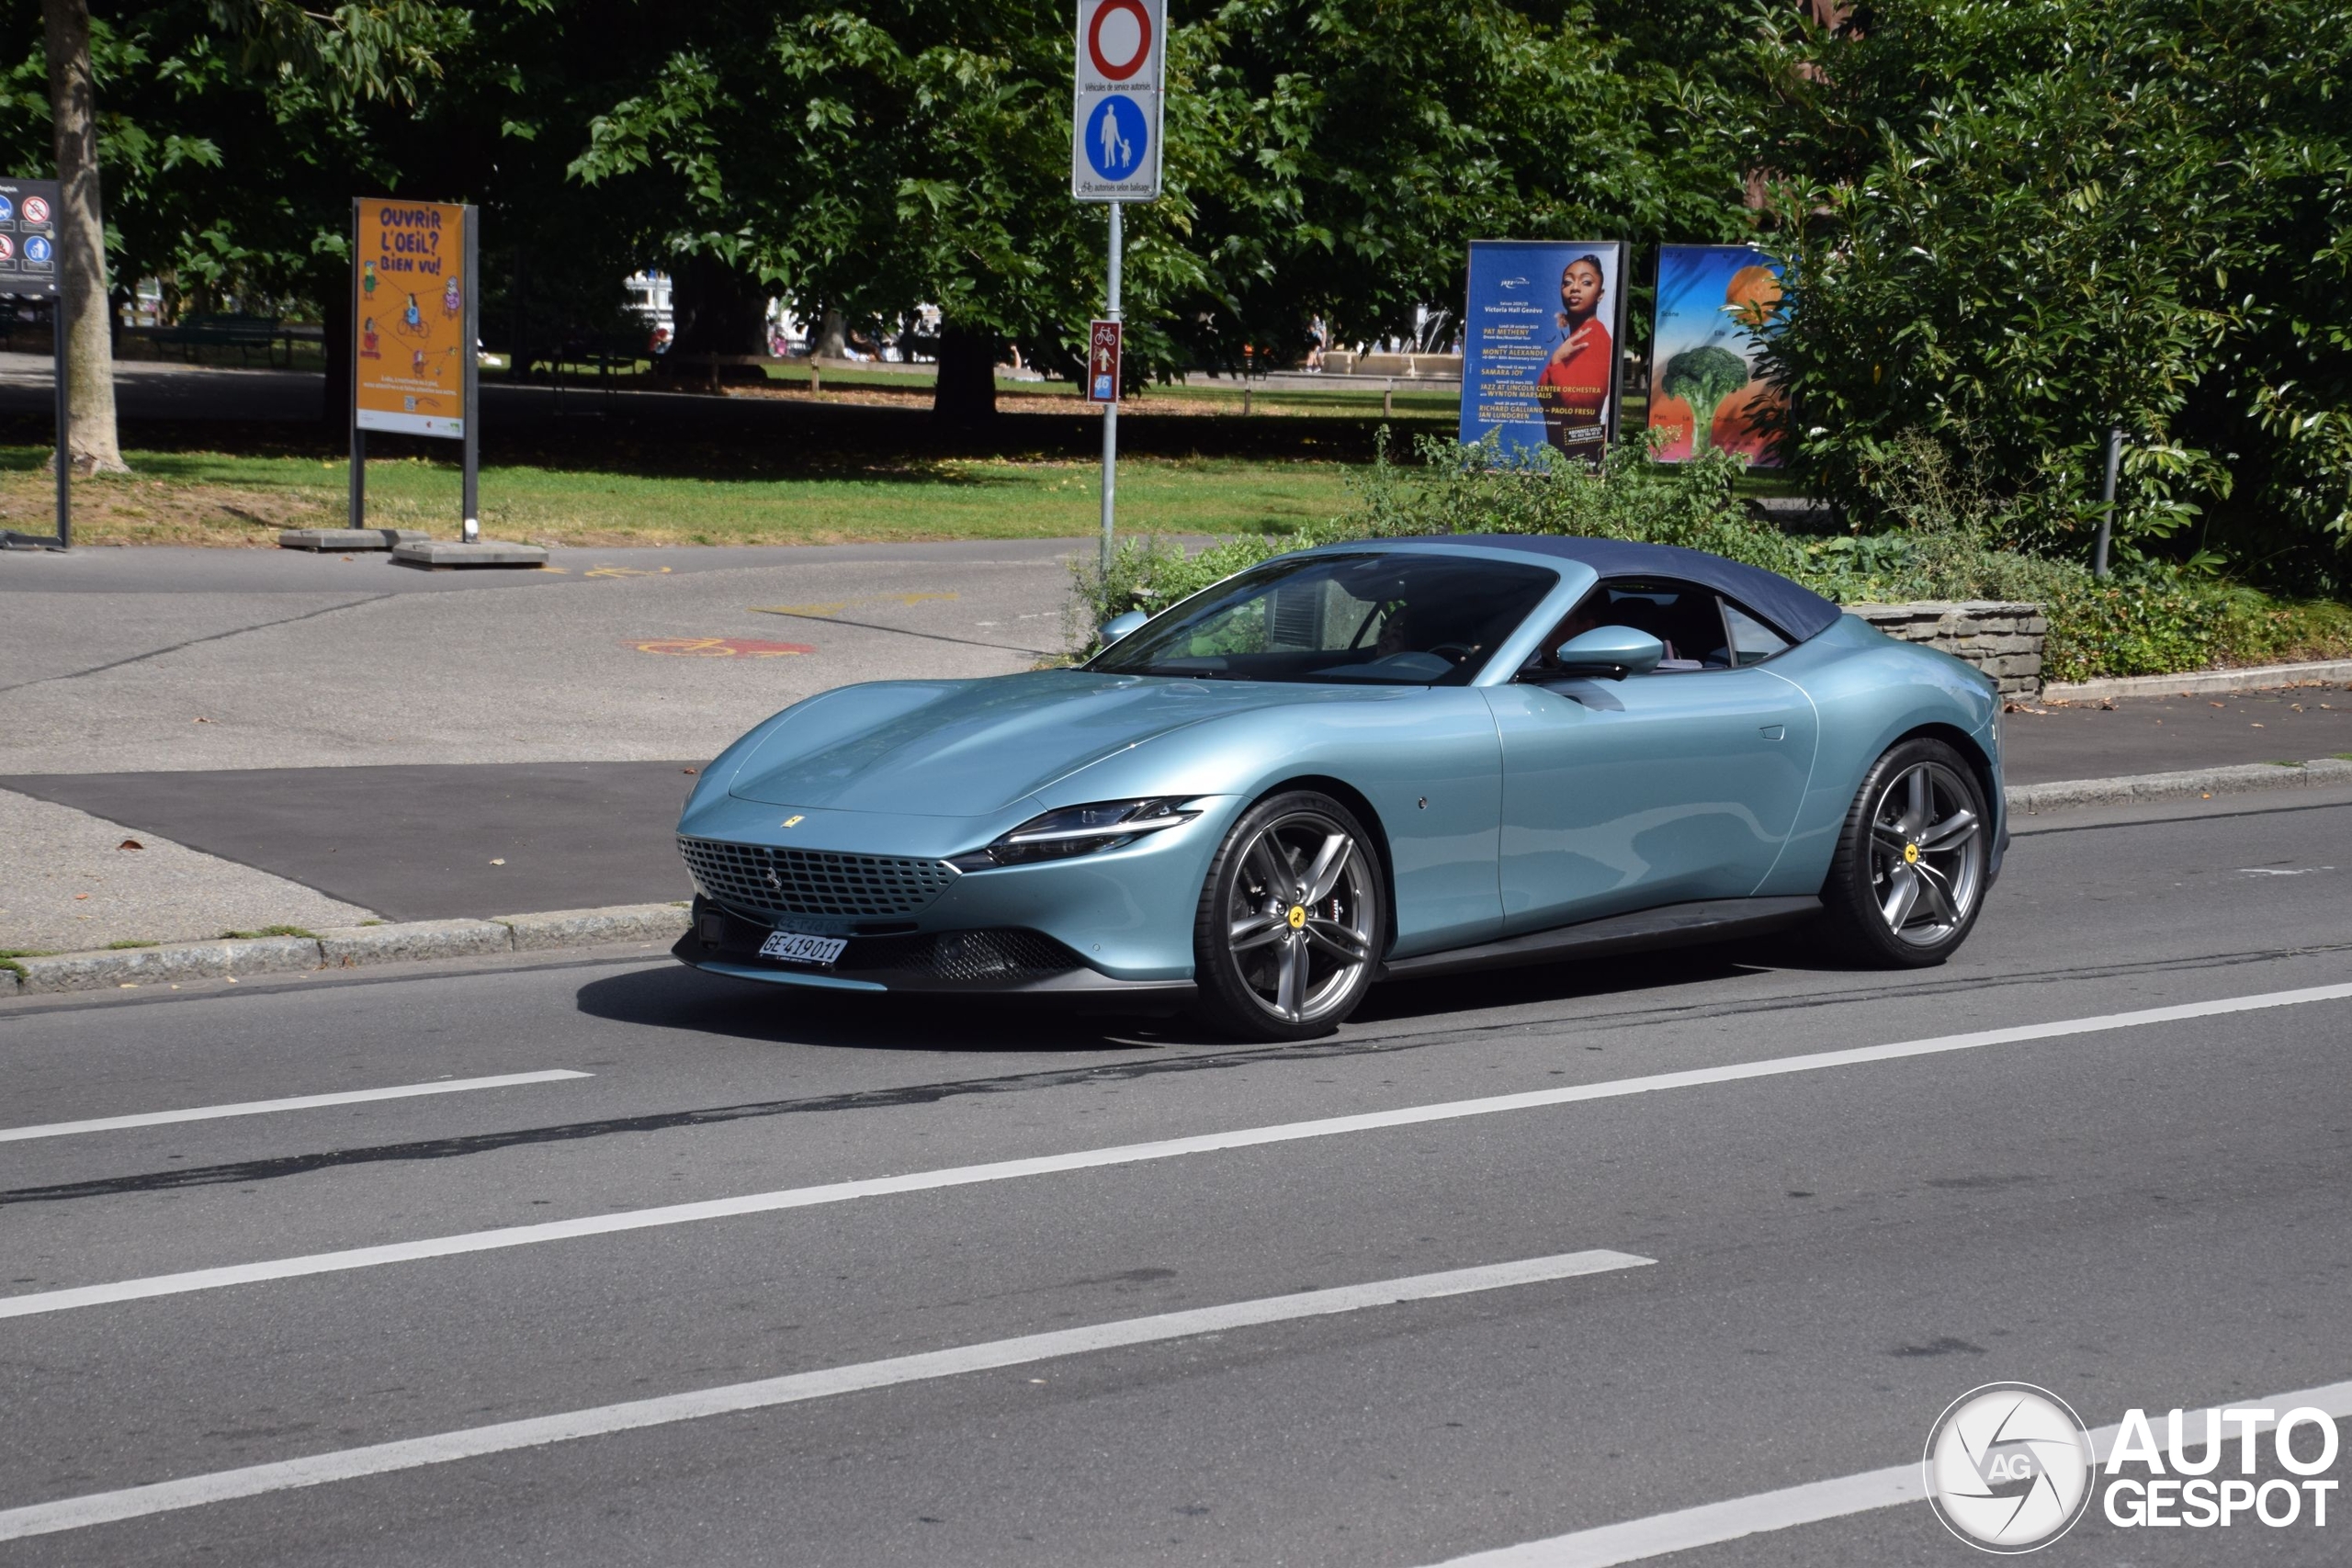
(1911,866)
(1289,928)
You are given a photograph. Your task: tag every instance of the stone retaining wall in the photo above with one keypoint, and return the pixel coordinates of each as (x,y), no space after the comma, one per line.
(2003,639)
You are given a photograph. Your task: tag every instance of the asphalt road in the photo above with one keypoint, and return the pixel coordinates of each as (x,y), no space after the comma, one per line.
(2139,1213)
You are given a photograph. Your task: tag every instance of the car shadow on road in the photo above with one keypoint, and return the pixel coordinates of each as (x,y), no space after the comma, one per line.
(1551,985)
(681,997)
(718,1005)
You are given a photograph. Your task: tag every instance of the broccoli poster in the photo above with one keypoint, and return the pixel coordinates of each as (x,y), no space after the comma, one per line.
(1539,343)
(1713,302)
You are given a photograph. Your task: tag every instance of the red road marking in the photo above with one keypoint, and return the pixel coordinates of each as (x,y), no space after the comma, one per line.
(717,647)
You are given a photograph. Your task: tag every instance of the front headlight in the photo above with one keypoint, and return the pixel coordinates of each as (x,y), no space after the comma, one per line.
(1078,830)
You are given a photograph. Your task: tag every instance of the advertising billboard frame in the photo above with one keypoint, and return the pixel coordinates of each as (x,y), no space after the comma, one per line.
(1521,382)
(467,283)
(1682,321)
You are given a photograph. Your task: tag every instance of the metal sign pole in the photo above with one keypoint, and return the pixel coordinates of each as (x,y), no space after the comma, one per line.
(351,414)
(471,531)
(32,266)
(65,440)
(1111,410)
(2107,500)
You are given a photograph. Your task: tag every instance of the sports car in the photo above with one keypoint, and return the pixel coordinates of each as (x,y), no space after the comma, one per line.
(1365,761)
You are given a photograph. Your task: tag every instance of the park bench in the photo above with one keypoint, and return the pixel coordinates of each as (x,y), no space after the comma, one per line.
(243,334)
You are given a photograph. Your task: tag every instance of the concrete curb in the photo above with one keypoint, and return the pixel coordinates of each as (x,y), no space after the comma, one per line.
(2195,784)
(2189,683)
(343,948)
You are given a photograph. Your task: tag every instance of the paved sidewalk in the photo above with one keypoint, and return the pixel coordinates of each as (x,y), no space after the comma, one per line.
(120,659)
(2154,735)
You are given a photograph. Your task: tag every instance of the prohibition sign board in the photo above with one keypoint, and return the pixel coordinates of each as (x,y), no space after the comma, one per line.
(1115,140)
(1126,28)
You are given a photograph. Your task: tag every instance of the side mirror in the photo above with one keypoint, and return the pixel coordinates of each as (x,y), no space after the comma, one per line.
(1614,652)
(1118,626)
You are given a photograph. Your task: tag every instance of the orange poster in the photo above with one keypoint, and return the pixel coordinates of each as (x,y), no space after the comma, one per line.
(410,318)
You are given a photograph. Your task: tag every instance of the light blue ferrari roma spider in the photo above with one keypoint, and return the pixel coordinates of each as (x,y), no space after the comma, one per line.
(1367,761)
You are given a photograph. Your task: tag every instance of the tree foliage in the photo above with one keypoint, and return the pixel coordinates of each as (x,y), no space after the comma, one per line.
(2014,224)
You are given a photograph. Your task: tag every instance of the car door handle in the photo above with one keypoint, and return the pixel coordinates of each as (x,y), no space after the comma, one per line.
(1772,732)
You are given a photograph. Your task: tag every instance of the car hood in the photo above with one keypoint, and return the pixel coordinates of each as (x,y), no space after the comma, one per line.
(971,747)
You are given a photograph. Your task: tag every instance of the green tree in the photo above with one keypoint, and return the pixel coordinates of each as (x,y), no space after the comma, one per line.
(227,135)
(1324,159)
(2014,225)
(1703,378)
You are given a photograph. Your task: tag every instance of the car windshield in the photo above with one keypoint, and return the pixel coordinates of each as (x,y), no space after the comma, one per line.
(1390,618)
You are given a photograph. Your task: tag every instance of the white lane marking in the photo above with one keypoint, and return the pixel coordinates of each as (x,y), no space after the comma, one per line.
(31,1303)
(102,1507)
(300,1102)
(1636,1541)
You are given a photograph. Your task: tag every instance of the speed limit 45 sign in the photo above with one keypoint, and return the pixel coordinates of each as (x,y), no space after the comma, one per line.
(1114,144)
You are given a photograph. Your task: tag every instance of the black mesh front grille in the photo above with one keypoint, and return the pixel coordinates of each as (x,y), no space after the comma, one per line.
(758,879)
(1001,957)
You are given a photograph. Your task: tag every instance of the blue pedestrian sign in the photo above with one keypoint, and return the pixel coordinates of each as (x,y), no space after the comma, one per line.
(1118,139)
(37,249)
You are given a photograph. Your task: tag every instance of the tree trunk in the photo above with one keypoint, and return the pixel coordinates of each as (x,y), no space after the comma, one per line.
(832,337)
(967,394)
(81,241)
(718,309)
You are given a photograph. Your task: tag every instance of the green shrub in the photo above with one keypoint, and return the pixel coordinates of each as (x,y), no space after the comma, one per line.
(2148,620)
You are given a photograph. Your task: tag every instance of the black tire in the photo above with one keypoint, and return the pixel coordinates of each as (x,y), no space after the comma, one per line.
(1907,883)
(1271,961)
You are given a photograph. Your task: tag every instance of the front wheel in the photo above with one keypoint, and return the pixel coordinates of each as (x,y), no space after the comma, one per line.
(1289,926)
(1910,871)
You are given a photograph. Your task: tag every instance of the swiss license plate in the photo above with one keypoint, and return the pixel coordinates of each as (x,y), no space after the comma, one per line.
(794,948)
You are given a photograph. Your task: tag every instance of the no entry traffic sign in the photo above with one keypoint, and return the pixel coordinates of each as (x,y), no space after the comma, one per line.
(1114,141)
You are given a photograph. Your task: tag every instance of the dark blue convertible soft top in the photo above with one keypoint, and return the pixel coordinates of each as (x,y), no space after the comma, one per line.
(1796,609)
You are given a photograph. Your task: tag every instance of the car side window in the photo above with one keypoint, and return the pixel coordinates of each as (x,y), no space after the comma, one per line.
(1752,642)
(1682,615)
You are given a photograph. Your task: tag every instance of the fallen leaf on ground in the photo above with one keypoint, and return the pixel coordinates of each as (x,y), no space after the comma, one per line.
(131,845)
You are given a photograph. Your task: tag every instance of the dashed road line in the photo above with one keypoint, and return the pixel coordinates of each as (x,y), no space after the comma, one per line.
(298,1102)
(1709,1524)
(444,1447)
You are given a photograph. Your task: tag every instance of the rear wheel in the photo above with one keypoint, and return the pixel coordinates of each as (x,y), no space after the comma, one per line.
(1289,925)
(1909,875)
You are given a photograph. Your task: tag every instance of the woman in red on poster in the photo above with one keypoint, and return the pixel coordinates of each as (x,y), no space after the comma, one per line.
(1573,390)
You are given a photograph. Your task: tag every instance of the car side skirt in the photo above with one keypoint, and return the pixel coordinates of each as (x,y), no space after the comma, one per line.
(1673,925)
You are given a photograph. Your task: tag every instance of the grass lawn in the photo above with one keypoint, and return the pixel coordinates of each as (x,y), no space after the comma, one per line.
(201,498)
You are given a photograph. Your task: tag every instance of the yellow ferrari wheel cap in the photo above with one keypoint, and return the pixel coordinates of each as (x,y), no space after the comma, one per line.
(1298,917)
(1910,854)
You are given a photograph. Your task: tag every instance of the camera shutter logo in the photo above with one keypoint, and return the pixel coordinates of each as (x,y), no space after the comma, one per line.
(2009,1468)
